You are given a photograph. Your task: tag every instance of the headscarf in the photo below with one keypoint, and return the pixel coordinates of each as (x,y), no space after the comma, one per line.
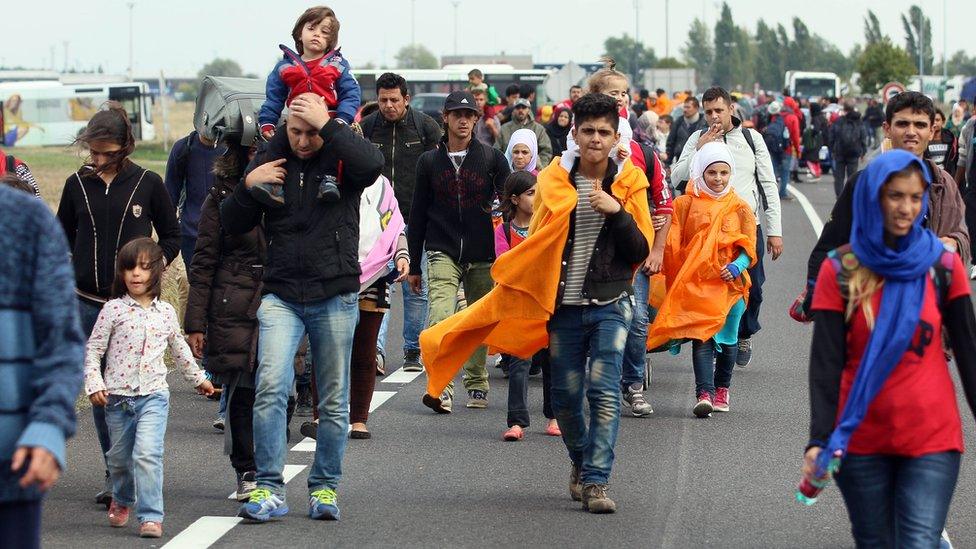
(904,269)
(557,132)
(524,136)
(709,154)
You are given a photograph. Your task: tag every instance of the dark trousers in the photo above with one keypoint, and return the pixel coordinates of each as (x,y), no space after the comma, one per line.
(187,245)
(749,324)
(711,371)
(518,388)
(89,312)
(969,197)
(895,501)
(240,410)
(843,169)
(20,524)
(362,374)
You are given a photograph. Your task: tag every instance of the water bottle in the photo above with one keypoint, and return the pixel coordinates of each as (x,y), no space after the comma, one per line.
(808,490)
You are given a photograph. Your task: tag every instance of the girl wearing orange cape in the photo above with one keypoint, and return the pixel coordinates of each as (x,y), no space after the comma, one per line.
(711,244)
(568,285)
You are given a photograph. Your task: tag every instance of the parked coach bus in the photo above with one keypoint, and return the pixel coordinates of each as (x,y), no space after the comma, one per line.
(51,113)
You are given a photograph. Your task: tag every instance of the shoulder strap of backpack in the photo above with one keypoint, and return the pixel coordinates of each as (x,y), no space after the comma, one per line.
(368,124)
(507,229)
(747,133)
(9,164)
(418,123)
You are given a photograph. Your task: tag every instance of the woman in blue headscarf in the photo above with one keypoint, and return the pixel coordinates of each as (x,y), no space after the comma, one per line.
(884,420)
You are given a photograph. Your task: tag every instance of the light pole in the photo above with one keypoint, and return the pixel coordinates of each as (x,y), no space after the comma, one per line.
(130,5)
(667,29)
(636,37)
(455,3)
(413,22)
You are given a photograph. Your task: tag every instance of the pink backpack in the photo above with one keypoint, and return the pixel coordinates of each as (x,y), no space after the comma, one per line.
(380,226)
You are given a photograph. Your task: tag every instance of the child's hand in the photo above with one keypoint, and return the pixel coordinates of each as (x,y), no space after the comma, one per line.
(205,388)
(658,221)
(726,275)
(267,134)
(272,172)
(623,152)
(98,398)
(403,267)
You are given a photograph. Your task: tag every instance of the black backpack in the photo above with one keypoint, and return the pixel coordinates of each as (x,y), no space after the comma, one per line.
(848,139)
(776,136)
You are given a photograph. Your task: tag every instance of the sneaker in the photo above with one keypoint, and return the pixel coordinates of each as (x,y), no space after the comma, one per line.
(513,433)
(105,496)
(553,430)
(575,483)
(704,406)
(309,429)
(595,499)
(118,515)
(745,353)
(535,369)
(721,403)
(328,190)
(380,364)
(634,397)
(477,399)
(245,485)
(272,196)
(322,505)
(218,423)
(303,404)
(263,506)
(151,529)
(442,405)
(411,361)
(972,273)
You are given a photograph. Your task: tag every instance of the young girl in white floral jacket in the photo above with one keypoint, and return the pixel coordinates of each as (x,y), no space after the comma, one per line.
(132,332)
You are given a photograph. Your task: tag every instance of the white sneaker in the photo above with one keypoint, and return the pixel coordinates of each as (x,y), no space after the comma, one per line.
(972,273)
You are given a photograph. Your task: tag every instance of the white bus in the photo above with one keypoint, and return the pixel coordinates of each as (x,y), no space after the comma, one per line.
(455,77)
(51,113)
(812,85)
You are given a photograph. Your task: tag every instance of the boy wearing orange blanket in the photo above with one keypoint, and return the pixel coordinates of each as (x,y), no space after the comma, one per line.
(711,244)
(568,286)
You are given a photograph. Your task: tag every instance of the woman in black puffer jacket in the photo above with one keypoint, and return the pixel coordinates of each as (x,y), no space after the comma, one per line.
(225,292)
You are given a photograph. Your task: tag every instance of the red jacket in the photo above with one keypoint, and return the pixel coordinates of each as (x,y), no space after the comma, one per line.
(793,125)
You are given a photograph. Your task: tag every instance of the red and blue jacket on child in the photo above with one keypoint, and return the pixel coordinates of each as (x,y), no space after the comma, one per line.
(328,76)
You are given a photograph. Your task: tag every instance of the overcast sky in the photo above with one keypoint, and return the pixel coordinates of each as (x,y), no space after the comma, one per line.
(179,36)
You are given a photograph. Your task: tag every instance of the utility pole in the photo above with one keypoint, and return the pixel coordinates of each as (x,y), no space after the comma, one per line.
(455,3)
(945,51)
(131,58)
(413,22)
(65,44)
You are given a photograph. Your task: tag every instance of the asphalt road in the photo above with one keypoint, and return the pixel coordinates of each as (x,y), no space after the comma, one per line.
(450,481)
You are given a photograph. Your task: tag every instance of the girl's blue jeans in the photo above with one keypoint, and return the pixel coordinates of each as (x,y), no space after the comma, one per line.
(137,426)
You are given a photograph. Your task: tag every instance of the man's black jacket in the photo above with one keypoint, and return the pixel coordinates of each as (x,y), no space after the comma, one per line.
(451,210)
(313,246)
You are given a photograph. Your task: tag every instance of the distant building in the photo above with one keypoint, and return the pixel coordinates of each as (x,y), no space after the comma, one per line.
(520,62)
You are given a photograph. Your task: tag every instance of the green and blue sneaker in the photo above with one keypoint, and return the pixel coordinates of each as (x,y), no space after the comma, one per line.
(263,506)
(322,505)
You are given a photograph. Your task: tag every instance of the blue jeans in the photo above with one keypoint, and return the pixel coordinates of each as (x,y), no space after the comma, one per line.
(712,371)
(138,427)
(897,501)
(330,324)
(749,324)
(414,314)
(635,353)
(601,332)
(88,312)
(783,165)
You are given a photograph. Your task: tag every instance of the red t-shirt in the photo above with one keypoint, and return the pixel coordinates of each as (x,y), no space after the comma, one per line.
(915,412)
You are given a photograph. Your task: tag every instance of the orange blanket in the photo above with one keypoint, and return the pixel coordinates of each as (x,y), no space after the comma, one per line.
(706,235)
(512,317)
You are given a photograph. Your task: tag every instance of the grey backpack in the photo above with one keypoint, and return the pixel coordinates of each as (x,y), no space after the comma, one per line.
(227,108)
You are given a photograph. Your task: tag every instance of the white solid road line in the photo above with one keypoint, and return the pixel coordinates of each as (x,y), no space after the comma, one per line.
(379,397)
(204,532)
(400,376)
(290,472)
(807,209)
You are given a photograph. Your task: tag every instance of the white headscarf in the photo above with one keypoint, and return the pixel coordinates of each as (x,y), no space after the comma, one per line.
(709,154)
(525,137)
